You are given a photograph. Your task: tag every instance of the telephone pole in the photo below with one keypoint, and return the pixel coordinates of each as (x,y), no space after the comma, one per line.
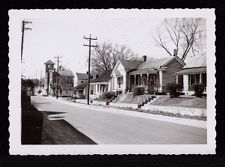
(57,77)
(24,29)
(89,60)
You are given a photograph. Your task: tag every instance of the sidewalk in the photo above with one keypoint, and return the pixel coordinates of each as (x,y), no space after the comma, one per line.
(183,121)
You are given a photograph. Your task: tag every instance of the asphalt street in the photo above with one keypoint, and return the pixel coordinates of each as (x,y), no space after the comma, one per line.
(104,126)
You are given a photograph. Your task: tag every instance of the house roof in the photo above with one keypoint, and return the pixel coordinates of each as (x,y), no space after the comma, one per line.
(65,72)
(105,77)
(144,71)
(199,61)
(49,62)
(130,64)
(192,70)
(154,63)
(158,63)
(82,76)
(80,86)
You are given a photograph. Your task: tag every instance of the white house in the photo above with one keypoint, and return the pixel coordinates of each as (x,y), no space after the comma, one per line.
(193,72)
(100,85)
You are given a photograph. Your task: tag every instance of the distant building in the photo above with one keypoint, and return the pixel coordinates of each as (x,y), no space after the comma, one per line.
(80,78)
(49,69)
(101,84)
(65,80)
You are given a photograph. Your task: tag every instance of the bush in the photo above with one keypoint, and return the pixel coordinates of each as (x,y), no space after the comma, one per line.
(151,90)
(198,88)
(139,90)
(108,95)
(174,89)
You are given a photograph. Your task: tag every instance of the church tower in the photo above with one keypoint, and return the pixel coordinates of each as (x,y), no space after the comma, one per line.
(49,68)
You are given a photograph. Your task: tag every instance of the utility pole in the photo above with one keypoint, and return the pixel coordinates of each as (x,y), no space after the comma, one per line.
(24,29)
(89,60)
(57,77)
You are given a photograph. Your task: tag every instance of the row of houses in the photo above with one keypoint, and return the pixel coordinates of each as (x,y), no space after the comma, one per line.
(153,74)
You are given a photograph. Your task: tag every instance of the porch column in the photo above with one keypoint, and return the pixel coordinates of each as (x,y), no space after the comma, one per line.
(148,80)
(200,78)
(96,88)
(115,84)
(185,82)
(176,79)
(160,81)
(134,80)
(141,79)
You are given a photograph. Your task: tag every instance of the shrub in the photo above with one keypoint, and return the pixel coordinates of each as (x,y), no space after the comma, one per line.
(151,90)
(108,95)
(174,89)
(81,96)
(140,90)
(198,88)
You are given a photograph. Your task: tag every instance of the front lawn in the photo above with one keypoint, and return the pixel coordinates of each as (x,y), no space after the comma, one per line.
(182,101)
(130,98)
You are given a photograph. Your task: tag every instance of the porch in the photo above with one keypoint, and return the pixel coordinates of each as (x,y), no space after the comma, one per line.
(145,78)
(189,77)
(97,89)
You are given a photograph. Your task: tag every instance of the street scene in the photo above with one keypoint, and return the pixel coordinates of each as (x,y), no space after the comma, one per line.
(119,79)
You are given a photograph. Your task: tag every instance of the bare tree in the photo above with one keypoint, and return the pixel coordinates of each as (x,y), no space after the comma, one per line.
(185,35)
(106,55)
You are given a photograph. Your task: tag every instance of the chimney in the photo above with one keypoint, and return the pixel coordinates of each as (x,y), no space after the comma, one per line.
(175,52)
(144,58)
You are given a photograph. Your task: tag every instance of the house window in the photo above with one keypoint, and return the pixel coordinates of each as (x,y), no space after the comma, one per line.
(194,79)
(120,81)
(91,77)
(81,81)
(92,92)
(204,79)
(180,79)
(97,76)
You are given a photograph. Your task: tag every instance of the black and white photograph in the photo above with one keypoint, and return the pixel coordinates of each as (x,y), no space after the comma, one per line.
(114,81)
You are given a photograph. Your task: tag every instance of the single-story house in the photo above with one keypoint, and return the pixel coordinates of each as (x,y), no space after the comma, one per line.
(80,91)
(152,74)
(100,85)
(193,72)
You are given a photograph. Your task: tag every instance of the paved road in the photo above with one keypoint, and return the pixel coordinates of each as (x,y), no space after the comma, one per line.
(105,126)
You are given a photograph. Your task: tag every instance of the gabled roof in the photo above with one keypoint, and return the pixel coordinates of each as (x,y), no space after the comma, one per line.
(158,63)
(80,86)
(49,62)
(199,61)
(105,77)
(65,72)
(82,76)
(130,64)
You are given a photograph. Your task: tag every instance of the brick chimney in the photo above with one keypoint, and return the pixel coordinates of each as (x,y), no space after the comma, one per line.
(144,58)
(175,52)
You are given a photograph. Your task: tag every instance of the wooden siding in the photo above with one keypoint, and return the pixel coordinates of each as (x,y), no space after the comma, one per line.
(169,75)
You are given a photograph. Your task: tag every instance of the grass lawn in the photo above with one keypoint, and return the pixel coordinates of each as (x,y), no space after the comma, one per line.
(129,98)
(182,101)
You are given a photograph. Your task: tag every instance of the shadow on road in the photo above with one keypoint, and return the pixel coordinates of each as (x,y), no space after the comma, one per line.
(61,132)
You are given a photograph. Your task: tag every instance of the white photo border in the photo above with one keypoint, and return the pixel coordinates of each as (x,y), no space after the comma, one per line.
(15,17)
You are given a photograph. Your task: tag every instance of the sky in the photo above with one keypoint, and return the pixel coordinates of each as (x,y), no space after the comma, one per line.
(61,34)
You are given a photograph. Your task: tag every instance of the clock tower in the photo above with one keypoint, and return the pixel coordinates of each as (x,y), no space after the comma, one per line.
(49,68)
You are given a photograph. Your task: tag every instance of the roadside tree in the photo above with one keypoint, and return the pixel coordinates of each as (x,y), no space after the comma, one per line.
(185,36)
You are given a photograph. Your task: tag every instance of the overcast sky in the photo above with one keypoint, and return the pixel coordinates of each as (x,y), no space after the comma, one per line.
(62,34)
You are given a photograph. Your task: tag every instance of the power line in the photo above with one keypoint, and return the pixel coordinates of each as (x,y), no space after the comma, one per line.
(89,60)
(23,30)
